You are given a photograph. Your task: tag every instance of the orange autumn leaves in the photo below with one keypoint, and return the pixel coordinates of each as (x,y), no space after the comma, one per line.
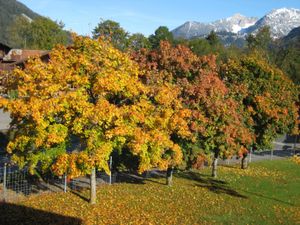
(157,104)
(91,93)
(270,99)
(215,120)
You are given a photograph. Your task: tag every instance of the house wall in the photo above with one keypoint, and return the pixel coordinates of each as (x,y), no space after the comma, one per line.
(4,120)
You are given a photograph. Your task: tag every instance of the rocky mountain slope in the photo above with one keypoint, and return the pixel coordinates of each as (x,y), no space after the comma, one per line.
(196,29)
(281,21)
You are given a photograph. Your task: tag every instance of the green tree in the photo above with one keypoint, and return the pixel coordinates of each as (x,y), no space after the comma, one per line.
(213,38)
(19,32)
(112,31)
(41,33)
(262,43)
(138,41)
(161,34)
(288,58)
(200,46)
(209,45)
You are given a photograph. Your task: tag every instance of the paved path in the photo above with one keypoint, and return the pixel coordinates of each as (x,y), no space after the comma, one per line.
(265,155)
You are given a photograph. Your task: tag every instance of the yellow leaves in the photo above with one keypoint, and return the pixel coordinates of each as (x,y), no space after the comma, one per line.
(242,151)
(3,102)
(57,133)
(177,157)
(19,144)
(61,165)
(250,110)
(92,90)
(67,164)
(296,159)
(166,94)
(73,170)
(194,198)
(179,123)
(252,172)
(101,155)
(77,164)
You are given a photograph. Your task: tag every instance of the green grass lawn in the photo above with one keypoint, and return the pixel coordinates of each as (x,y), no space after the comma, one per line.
(266,193)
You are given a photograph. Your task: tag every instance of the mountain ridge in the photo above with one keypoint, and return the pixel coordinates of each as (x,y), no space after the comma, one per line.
(281,22)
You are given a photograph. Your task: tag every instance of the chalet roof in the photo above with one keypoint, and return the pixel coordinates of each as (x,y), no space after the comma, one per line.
(18,57)
(15,55)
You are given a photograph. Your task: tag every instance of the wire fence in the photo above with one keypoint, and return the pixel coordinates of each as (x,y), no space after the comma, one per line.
(16,184)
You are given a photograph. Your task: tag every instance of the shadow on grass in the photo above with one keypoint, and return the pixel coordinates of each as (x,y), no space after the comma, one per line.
(134,178)
(130,178)
(12,214)
(216,186)
(269,198)
(80,195)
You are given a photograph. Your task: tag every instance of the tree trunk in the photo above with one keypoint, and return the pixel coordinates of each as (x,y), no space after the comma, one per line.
(169,176)
(93,187)
(244,161)
(214,166)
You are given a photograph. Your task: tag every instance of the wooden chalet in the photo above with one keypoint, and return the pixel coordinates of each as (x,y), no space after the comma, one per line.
(12,58)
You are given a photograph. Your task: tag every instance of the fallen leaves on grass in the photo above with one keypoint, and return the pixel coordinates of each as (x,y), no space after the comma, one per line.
(256,171)
(186,202)
(296,159)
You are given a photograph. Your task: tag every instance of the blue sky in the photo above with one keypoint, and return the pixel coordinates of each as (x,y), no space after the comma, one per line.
(145,16)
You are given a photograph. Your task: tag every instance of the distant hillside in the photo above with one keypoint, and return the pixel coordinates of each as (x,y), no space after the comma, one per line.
(293,37)
(288,54)
(9,9)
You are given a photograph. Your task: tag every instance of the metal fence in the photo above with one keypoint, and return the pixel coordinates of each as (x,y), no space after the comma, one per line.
(16,184)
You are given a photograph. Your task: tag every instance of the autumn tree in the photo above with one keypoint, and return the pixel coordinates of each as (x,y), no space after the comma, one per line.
(269,98)
(216,122)
(90,91)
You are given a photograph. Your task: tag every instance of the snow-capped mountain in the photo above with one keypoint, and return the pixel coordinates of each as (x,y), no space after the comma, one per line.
(232,24)
(192,29)
(281,22)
